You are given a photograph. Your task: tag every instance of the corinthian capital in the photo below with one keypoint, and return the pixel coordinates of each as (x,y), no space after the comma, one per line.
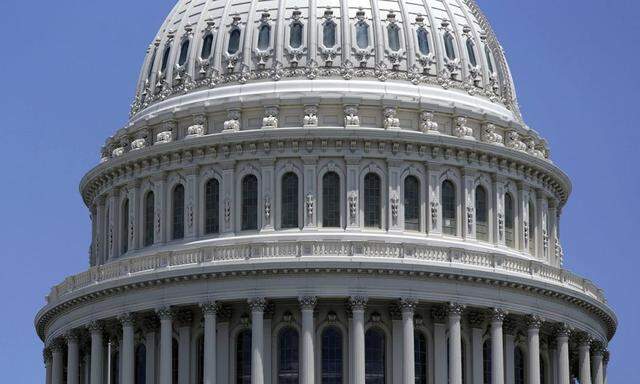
(308,302)
(534,321)
(95,326)
(358,303)
(455,309)
(209,308)
(257,304)
(165,313)
(408,304)
(127,320)
(563,330)
(497,314)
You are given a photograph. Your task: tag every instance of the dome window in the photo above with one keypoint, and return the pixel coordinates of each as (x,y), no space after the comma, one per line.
(177,212)
(472,53)
(362,35)
(207,45)
(295,37)
(372,201)
(331,355)
(394,38)
(329,34)
(412,203)
(165,58)
(184,53)
(149,215)
(152,62)
(234,42)
(264,37)
(249,199)
(423,41)
(331,200)
(212,207)
(510,221)
(482,214)
(449,215)
(448,46)
(487,52)
(290,199)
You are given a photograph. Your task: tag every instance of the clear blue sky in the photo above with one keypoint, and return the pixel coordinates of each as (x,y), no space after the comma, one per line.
(68,70)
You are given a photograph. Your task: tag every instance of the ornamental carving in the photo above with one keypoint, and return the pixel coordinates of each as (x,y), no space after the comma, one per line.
(257,304)
(270,119)
(471,213)
(308,302)
(351,118)
(408,304)
(138,144)
(227,209)
(353,206)
(164,137)
(267,208)
(434,213)
(198,128)
(462,130)
(489,134)
(309,205)
(233,120)
(476,318)
(513,141)
(358,303)
(427,123)
(165,313)
(391,120)
(532,149)
(455,309)
(310,116)
(534,321)
(498,314)
(209,308)
(501,225)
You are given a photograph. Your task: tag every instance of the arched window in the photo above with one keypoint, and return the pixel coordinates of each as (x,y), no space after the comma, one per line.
(362,35)
(124,228)
(374,357)
(234,41)
(420,354)
(331,200)
(412,203)
(200,360)
(372,201)
(165,58)
(471,51)
(207,46)
(243,357)
(486,362)
(393,35)
(264,37)
(448,46)
(212,207)
(329,34)
(289,200)
(482,214)
(519,366)
(449,214)
(423,41)
(184,52)
(249,203)
(140,365)
(152,62)
(487,52)
(175,361)
(177,212)
(532,228)
(509,220)
(331,356)
(295,35)
(149,214)
(288,362)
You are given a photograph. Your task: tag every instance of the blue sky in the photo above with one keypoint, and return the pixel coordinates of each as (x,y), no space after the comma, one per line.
(68,72)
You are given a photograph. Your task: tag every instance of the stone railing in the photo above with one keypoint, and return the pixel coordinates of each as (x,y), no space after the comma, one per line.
(239,254)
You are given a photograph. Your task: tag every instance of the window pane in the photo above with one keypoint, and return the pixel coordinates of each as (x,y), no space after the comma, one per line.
(472,53)
(486,362)
(249,203)
(295,37)
(509,218)
(207,45)
(519,366)
(152,62)
(288,364)
(412,203)
(149,208)
(264,37)
(329,34)
(175,360)
(234,41)
(394,38)
(243,357)
(184,53)
(532,228)
(482,215)
(423,41)
(178,212)
(489,58)
(124,229)
(141,365)
(165,58)
(372,203)
(449,216)
(448,46)
(420,354)
(362,35)
(200,360)
(331,356)
(212,207)
(331,200)
(289,211)
(374,357)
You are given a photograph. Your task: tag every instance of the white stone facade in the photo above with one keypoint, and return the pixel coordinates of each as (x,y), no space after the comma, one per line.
(297,201)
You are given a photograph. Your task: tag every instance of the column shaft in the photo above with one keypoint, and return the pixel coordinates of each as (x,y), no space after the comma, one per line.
(57,370)
(596,361)
(210,311)
(127,350)
(477,355)
(563,359)
(150,347)
(97,350)
(257,340)
(585,362)
(440,352)
(497,350)
(73,360)
(533,344)
(509,358)
(307,305)
(357,309)
(166,346)
(409,372)
(455,345)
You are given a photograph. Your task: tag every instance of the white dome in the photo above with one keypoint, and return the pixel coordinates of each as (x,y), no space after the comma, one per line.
(440,44)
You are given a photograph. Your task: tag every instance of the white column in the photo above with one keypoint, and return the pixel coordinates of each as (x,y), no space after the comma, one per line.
(351,360)
(439,315)
(73,358)
(97,352)
(222,355)
(47,364)
(455,343)
(150,328)
(57,370)
(209,311)
(127,349)
(396,343)
(562,339)
(476,321)
(584,347)
(509,351)
(605,359)
(497,346)
(307,369)
(166,344)
(184,319)
(408,306)
(533,347)
(358,304)
(597,363)
(258,306)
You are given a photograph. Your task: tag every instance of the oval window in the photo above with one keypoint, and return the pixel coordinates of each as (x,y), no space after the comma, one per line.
(165,58)
(394,38)
(329,35)
(362,35)
(264,37)
(472,53)
(184,53)
(448,46)
(234,41)
(295,37)
(423,41)
(207,44)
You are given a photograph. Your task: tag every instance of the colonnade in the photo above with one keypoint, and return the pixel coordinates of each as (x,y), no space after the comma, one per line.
(448,361)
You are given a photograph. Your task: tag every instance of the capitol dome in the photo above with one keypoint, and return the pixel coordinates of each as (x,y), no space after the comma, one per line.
(325,192)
